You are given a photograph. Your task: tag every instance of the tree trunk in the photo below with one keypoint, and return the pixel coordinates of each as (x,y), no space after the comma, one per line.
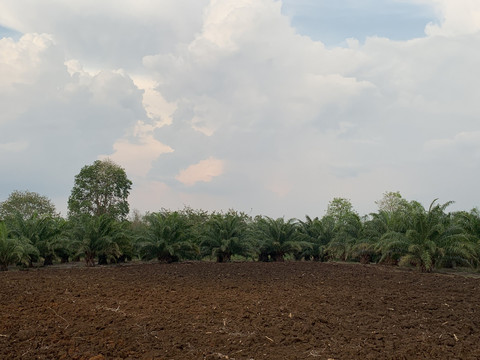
(90,260)
(263,257)
(102,259)
(278,257)
(223,257)
(365,259)
(48,260)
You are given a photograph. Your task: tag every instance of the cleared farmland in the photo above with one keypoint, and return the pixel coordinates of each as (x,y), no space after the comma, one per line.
(291,310)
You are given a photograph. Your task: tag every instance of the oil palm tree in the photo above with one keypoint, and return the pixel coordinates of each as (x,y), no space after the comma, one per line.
(277,238)
(431,240)
(97,237)
(225,236)
(13,250)
(167,237)
(46,233)
(346,234)
(318,233)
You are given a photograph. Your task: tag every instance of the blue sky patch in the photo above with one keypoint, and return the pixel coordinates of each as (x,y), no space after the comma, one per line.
(6,32)
(333,21)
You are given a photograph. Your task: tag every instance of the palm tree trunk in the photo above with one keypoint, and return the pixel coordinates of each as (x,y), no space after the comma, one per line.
(48,260)
(278,256)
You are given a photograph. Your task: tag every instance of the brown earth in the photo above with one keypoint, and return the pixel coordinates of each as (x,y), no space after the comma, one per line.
(292,310)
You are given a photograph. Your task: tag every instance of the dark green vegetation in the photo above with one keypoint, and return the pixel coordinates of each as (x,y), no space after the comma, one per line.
(97,230)
(100,188)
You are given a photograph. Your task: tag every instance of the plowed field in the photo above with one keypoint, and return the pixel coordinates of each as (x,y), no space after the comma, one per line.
(292,310)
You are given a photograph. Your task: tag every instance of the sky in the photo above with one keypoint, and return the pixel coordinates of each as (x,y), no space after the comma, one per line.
(264,106)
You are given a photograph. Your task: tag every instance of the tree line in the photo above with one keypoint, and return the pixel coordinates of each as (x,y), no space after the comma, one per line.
(98,230)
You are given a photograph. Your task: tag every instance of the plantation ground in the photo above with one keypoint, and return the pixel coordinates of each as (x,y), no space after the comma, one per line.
(238,311)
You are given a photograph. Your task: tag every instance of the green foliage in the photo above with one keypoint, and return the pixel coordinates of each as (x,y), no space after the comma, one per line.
(168,237)
(45,233)
(197,221)
(469,222)
(363,251)
(347,229)
(392,246)
(13,250)
(392,202)
(340,210)
(26,203)
(399,233)
(277,238)
(318,233)
(99,189)
(98,236)
(341,246)
(432,239)
(226,236)
(424,236)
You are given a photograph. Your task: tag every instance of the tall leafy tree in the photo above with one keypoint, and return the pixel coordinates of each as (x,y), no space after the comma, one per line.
(341,211)
(347,228)
(26,204)
(392,202)
(100,188)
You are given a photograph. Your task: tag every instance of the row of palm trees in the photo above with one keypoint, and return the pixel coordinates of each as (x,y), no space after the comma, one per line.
(407,234)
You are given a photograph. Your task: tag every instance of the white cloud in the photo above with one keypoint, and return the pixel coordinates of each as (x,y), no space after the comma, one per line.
(204,171)
(137,158)
(158,88)
(458,18)
(53,122)
(21,60)
(108,34)
(155,105)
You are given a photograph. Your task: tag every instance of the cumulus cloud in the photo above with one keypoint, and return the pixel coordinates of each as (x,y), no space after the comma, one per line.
(108,34)
(54,121)
(457,18)
(137,157)
(167,93)
(278,103)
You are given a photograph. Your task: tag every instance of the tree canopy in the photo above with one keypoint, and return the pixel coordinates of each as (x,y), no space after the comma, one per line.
(100,189)
(26,204)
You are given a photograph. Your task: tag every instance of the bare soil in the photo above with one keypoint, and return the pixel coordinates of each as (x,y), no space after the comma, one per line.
(292,310)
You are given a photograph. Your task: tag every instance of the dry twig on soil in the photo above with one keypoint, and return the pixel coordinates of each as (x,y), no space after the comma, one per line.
(61,317)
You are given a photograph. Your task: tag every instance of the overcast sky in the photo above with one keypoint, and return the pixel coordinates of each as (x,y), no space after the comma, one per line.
(265,106)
